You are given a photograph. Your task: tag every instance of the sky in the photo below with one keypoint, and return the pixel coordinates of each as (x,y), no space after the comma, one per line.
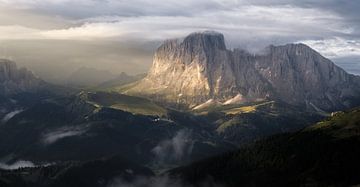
(55,37)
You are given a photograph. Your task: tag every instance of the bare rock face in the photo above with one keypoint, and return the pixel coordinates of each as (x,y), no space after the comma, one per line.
(190,71)
(300,75)
(14,80)
(200,68)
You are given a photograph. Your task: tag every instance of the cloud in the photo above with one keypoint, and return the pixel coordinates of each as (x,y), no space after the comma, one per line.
(17,165)
(243,22)
(10,115)
(146,20)
(251,27)
(90,8)
(175,149)
(159,19)
(141,181)
(246,26)
(61,133)
(18,32)
(161,181)
(335,47)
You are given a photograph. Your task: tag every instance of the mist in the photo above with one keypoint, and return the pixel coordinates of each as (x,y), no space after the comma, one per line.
(56,60)
(161,181)
(17,165)
(58,134)
(174,150)
(10,115)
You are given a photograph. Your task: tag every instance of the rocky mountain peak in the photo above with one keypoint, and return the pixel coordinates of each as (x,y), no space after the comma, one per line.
(199,69)
(194,69)
(294,50)
(195,43)
(208,40)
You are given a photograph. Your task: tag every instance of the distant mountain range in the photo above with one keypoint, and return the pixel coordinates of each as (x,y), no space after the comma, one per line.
(85,77)
(120,80)
(200,69)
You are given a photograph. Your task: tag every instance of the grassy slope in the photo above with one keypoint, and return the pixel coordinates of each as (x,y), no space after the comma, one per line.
(322,155)
(264,119)
(135,105)
(247,108)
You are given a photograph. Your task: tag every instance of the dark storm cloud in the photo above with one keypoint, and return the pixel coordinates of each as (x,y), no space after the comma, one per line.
(258,19)
(348,9)
(91,8)
(282,21)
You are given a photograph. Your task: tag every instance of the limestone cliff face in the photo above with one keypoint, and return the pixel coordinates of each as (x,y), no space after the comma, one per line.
(200,69)
(190,71)
(14,80)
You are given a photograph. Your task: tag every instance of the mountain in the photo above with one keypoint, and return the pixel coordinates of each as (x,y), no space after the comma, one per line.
(21,89)
(120,80)
(200,69)
(15,80)
(325,154)
(85,77)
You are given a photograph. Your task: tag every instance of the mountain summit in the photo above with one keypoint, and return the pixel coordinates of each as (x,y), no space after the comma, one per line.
(199,69)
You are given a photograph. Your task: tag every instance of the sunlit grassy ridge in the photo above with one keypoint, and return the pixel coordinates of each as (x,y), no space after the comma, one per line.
(127,103)
(240,110)
(246,109)
(340,124)
(234,108)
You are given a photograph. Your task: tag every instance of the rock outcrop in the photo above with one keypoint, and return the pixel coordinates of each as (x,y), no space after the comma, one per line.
(15,80)
(199,68)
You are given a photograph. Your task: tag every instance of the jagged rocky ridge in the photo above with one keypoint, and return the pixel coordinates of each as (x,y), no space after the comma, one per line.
(200,68)
(15,80)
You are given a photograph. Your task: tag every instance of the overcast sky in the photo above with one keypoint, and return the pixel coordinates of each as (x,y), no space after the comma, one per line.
(61,35)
